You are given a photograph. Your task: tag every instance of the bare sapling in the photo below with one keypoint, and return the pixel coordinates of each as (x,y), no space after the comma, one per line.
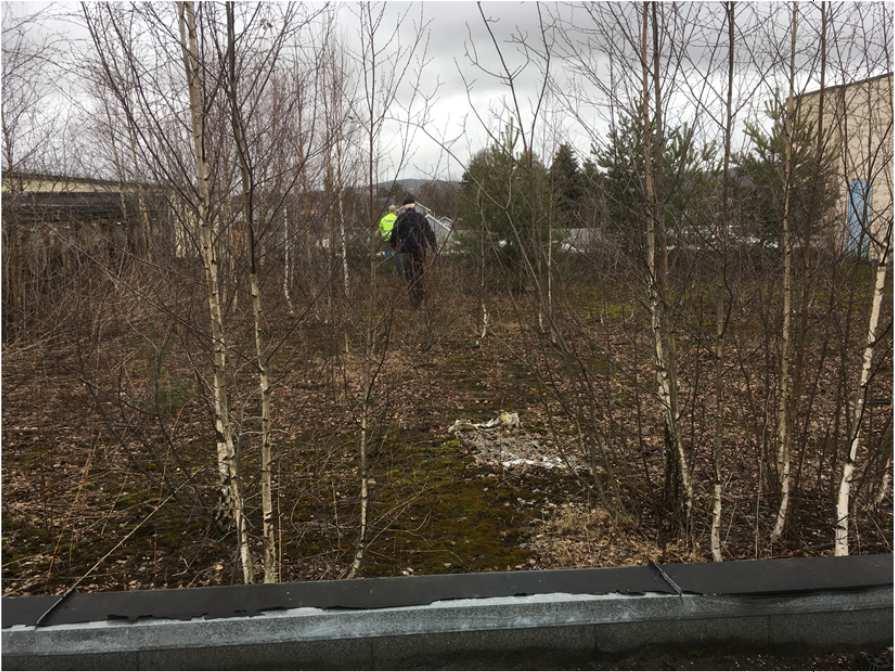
(657,263)
(483,332)
(870,345)
(227,465)
(384,70)
(784,422)
(288,263)
(724,306)
(884,489)
(248,178)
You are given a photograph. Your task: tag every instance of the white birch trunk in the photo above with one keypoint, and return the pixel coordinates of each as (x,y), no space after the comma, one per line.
(179,217)
(227,466)
(268,526)
(784,461)
(362,537)
(848,469)
(665,374)
(884,487)
(484,331)
(539,280)
(343,244)
(716,523)
(721,315)
(287,260)
(550,272)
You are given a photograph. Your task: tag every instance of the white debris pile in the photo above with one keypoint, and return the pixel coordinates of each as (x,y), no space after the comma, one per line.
(502,442)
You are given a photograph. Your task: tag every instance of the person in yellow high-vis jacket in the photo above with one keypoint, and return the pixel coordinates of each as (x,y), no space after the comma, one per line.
(386,224)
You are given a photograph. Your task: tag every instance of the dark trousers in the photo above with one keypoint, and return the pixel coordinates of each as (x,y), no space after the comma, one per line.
(395,261)
(400,262)
(413,273)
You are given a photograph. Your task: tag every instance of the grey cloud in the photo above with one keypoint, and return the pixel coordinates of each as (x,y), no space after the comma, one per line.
(857,50)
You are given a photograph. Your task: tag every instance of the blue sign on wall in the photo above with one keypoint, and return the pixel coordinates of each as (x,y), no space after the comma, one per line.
(858,238)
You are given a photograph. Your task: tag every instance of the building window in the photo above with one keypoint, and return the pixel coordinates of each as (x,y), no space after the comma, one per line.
(858,234)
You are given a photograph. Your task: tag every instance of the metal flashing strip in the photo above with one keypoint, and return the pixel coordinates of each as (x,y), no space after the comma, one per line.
(743,578)
(565,631)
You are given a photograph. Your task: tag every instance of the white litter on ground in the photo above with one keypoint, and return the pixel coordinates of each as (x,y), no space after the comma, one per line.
(502,442)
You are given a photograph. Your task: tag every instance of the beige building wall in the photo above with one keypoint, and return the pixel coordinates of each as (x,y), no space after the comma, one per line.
(857,121)
(147,216)
(29,183)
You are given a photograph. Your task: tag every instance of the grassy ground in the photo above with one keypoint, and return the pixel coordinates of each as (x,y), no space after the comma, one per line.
(91,446)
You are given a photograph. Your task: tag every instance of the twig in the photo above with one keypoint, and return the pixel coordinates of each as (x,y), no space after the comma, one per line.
(67,593)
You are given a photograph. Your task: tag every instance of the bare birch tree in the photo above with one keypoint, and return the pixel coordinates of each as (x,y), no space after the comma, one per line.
(724,306)
(241,117)
(657,257)
(872,159)
(883,251)
(784,449)
(390,75)
(109,29)
(230,490)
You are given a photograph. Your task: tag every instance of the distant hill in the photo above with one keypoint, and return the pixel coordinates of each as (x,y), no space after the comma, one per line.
(414,184)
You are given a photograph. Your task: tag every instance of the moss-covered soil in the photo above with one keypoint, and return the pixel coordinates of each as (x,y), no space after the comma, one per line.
(94,451)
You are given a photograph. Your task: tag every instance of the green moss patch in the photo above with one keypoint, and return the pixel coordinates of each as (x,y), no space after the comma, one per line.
(454,516)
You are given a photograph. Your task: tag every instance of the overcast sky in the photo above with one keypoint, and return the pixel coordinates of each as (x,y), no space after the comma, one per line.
(469,102)
(576,110)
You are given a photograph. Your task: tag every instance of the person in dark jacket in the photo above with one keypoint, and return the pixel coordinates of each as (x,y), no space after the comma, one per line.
(413,237)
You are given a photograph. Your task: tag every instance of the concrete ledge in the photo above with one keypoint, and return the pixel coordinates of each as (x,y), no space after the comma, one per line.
(572,625)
